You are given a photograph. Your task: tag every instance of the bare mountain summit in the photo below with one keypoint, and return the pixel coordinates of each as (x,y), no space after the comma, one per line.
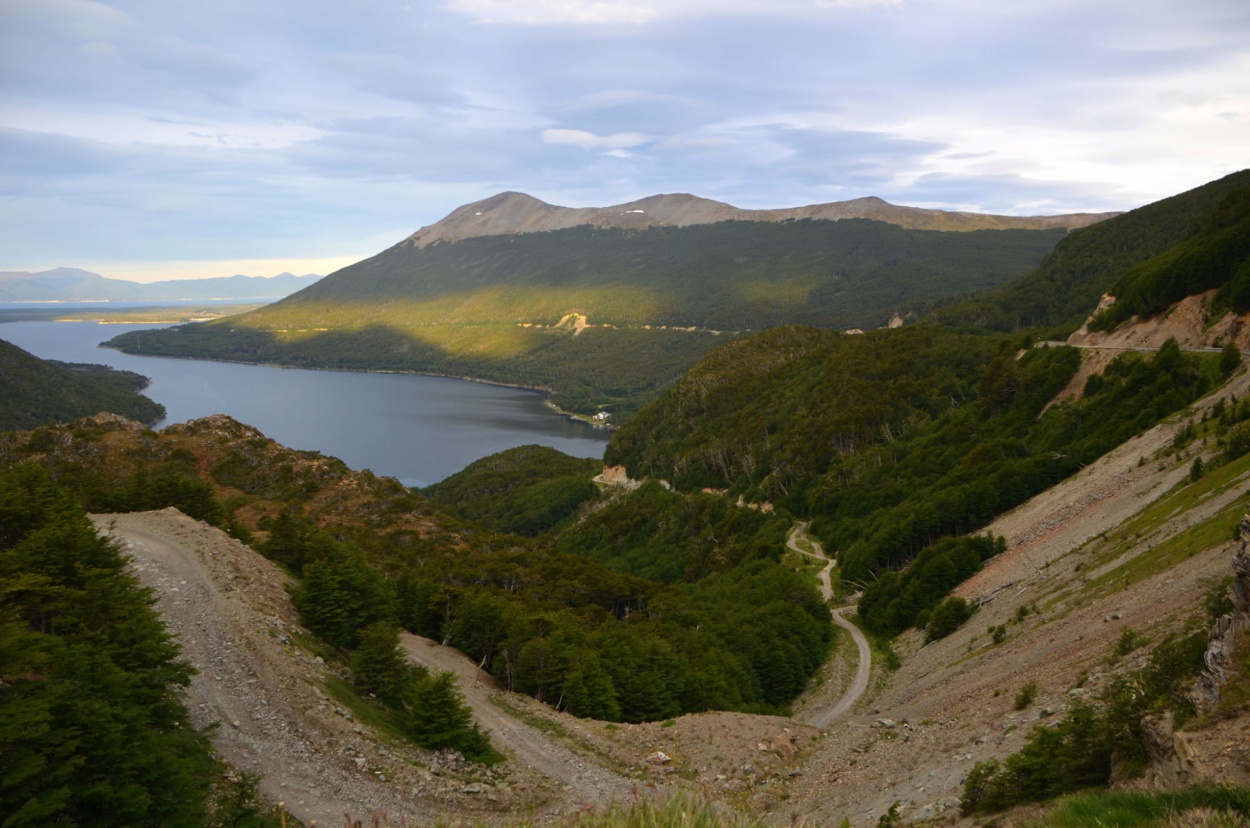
(513,213)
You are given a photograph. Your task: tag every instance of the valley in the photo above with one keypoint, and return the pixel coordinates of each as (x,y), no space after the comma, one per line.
(931,574)
(947,706)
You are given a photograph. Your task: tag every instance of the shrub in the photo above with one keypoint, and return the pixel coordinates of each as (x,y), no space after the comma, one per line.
(1026,695)
(948,617)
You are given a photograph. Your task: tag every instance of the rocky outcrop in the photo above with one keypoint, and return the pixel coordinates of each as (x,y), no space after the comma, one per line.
(1222,647)
(1171,755)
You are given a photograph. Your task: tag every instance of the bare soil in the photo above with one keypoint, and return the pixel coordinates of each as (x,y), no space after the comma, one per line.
(951,703)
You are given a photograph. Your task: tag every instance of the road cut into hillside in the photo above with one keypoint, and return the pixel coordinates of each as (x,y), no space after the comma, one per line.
(263,696)
(822,717)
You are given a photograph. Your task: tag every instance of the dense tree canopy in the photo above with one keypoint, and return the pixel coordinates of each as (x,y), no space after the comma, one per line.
(92,730)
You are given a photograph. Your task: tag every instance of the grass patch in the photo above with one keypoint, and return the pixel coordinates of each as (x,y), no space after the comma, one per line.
(382,721)
(1132,809)
(1198,538)
(539,723)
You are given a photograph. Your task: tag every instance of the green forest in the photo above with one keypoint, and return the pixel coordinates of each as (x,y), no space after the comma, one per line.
(739,632)
(35,391)
(92,727)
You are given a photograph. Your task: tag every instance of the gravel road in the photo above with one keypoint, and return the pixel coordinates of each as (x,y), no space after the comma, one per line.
(822,717)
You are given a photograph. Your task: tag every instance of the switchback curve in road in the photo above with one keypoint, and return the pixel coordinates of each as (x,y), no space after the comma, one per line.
(823,717)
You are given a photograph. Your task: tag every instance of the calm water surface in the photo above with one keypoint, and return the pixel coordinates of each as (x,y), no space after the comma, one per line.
(418,429)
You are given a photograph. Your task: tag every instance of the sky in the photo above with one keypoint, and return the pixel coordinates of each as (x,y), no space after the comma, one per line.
(156,139)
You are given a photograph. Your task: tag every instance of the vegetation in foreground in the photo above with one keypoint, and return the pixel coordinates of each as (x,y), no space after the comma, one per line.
(1189,808)
(1095,738)
(92,727)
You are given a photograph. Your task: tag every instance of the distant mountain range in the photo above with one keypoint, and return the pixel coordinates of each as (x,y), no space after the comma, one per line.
(509,214)
(70,284)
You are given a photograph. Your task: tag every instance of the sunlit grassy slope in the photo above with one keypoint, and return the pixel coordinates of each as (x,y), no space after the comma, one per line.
(605,317)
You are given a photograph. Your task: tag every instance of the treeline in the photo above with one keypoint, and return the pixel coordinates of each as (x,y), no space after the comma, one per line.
(34,392)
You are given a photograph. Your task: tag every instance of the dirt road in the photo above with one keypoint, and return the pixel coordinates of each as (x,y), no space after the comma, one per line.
(232,617)
(583,779)
(822,717)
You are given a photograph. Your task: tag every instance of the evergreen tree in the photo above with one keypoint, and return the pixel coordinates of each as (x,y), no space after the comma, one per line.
(1230,359)
(341,594)
(589,693)
(439,719)
(380,667)
(91,728)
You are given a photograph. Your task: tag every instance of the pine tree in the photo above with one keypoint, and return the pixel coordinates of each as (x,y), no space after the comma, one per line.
(91,728)
(380,667)
(439,718)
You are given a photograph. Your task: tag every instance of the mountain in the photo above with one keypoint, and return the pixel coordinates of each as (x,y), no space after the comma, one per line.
(510,214)
(34,392)
(604,315)
(70,284)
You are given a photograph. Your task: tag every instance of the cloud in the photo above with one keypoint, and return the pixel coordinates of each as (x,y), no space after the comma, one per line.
(590,141)
(559,12)
(240,129)
(856,4)
(640,12)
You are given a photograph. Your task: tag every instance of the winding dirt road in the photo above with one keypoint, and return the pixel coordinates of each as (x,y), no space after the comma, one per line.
(823,717)
(583,779)
(234,621)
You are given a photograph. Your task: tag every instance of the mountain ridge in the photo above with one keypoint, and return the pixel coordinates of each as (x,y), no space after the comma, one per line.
(67,284)
(516,213)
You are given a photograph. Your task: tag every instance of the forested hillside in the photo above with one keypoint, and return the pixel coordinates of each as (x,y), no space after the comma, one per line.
(1215,255)
(892,440)
(527,490)
(35,391)
(1089,262)
(742,633)
(604,317)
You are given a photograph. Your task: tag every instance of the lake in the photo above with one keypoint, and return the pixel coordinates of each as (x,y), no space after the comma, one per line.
(415,428)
